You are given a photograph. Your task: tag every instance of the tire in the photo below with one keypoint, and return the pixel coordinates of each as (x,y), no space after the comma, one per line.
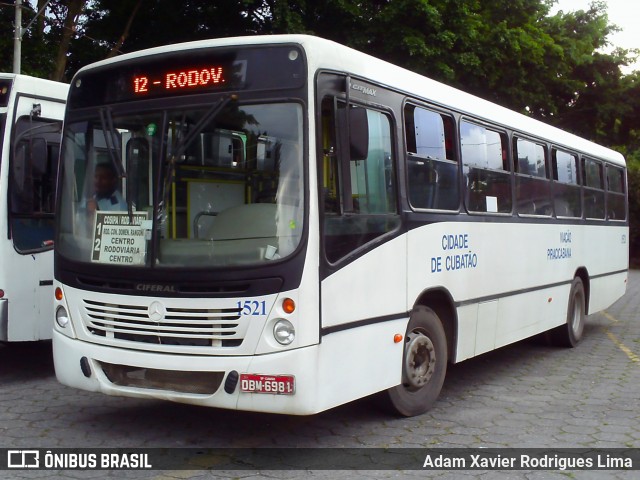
(570,334)
(424,365)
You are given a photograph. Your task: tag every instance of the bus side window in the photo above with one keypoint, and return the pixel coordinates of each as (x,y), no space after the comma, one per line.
(486,167)
(432,169)
(371,209)
(533,188)
(593,182)
(566,186)
(615,193)
(32,183)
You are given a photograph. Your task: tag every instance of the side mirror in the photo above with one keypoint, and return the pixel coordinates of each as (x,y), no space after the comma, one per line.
(39,156)
(358,133)
(137,158)
(353,130)
(137,150)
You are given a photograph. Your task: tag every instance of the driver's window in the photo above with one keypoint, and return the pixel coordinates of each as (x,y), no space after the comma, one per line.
(371,210)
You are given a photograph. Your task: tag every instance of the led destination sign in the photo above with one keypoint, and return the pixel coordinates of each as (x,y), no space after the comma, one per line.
(187,72)
(192,78)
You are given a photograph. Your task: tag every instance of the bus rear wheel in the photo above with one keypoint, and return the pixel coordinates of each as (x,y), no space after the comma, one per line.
(424,365)
(570,334)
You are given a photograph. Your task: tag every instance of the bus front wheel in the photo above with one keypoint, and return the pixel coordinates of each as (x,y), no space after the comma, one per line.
(570,334)
(424,364)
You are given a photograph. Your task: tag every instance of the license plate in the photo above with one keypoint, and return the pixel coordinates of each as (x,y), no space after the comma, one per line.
(273,384)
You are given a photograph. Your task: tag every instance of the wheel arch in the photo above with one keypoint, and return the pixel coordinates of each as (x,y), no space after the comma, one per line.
(441,302)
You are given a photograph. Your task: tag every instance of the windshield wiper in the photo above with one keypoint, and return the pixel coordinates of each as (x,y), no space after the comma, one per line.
(111,140)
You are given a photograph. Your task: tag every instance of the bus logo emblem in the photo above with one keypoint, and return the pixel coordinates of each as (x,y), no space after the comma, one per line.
(157,311)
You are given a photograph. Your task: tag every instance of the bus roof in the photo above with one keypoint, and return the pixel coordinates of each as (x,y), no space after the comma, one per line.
(37,86)
(329,55)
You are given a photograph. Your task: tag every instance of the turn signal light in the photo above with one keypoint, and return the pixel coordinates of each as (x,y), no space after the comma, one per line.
(397,338)
(58,293)
(288,305)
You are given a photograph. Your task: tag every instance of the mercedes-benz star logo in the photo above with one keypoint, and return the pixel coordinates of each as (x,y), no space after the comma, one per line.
(157,311)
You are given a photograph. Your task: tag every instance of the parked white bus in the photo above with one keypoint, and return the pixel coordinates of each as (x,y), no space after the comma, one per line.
(31,112)
(283,224)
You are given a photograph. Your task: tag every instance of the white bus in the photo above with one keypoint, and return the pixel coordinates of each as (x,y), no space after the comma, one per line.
(31,113)
(306,225)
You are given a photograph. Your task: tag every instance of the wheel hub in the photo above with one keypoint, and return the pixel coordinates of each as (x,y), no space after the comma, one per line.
(420,360)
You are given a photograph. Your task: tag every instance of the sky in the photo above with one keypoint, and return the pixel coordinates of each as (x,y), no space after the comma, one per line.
(623,13)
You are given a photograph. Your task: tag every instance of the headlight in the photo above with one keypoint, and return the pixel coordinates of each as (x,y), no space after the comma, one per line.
(62,317)
(284,332)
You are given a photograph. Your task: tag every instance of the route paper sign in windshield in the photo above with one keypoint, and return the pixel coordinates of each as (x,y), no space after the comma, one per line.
(119,239)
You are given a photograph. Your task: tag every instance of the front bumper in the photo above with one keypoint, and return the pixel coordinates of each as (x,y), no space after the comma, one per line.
(93,367)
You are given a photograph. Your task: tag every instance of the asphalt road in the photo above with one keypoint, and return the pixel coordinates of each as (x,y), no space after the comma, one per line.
(526,395)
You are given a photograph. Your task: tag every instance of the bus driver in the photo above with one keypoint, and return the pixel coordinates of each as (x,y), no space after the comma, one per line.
(106,195)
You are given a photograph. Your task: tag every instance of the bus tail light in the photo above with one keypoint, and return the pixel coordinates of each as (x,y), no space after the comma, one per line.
(1,293)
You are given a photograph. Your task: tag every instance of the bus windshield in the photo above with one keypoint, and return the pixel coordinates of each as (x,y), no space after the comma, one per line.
(219,185)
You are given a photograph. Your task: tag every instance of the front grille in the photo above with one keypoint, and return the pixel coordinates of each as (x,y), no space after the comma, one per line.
(179,326)
(204,383)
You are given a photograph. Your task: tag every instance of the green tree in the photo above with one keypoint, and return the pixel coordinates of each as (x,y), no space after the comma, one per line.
(36,59)
(508,51)
(511,52)
(588,82)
